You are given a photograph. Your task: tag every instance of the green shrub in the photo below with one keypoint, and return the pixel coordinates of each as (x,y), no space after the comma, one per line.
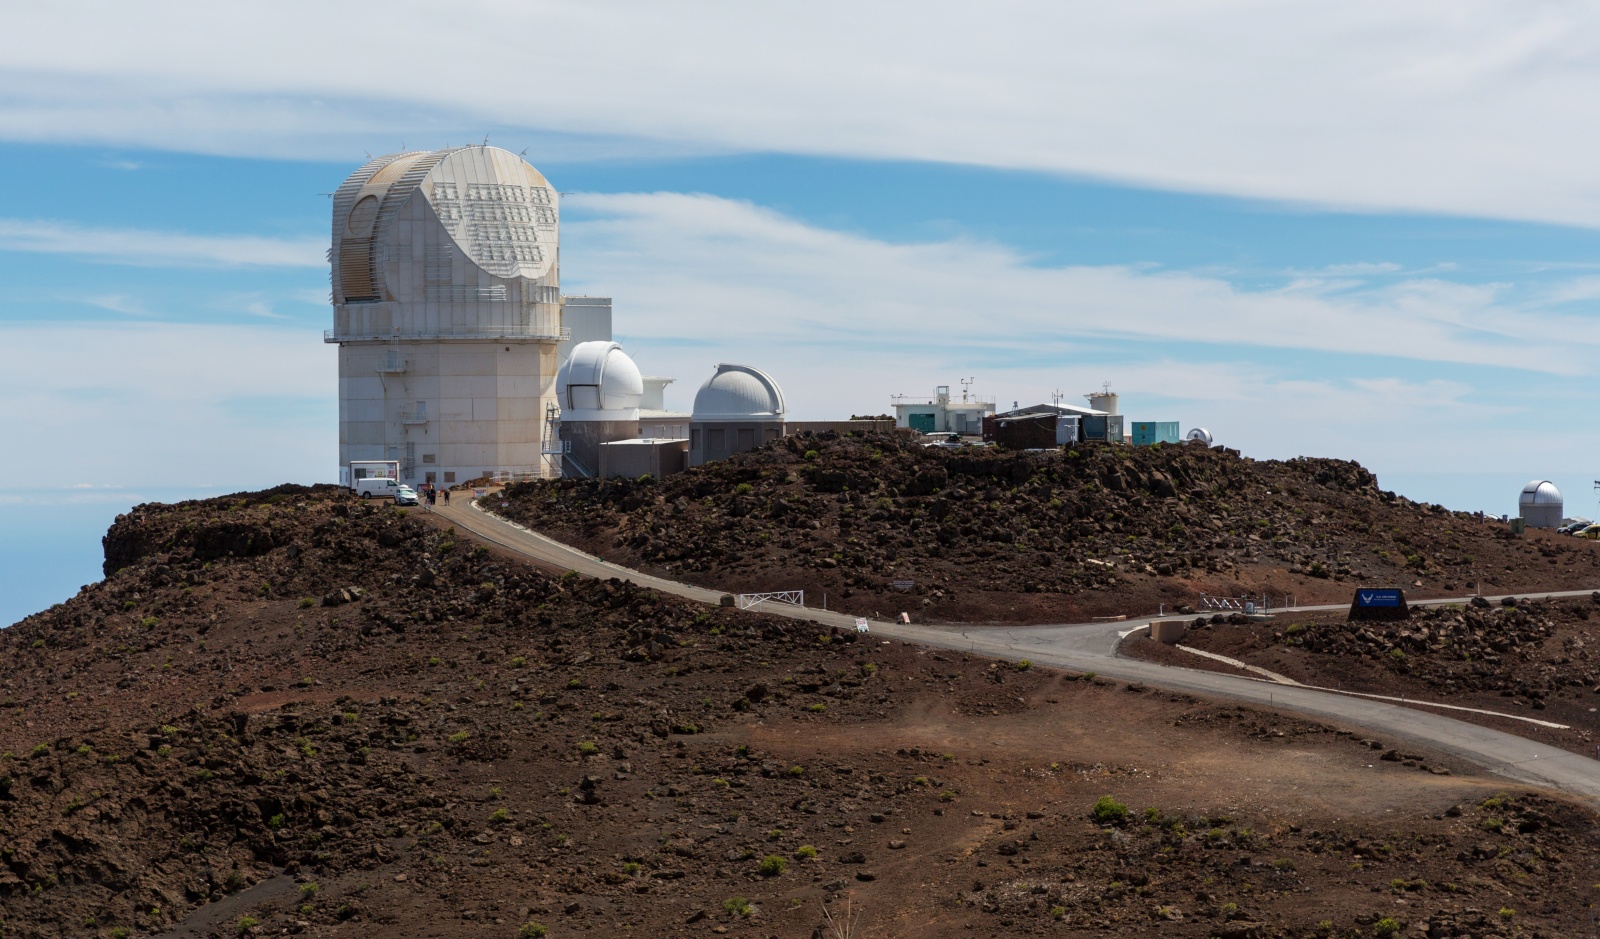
(738,906)
(307,603)
(588,748)
(499,817)
(247,924)
(1386,927)
(532,930)
(1108,811)
(1023,665)
(805,852)
(771,865)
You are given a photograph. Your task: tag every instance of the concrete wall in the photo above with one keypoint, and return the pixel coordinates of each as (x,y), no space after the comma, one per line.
(453,409)
(635,458)
(583,440)
(718,440)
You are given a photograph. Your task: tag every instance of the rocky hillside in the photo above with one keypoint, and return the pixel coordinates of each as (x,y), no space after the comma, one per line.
(291,713)
(985,534)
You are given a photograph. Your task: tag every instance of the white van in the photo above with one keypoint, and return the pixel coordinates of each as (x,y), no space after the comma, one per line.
(381,486)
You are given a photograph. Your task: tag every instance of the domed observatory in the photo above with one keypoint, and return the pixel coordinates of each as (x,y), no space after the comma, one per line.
(447,313)
(599,390)
(739,408)
(1540,504)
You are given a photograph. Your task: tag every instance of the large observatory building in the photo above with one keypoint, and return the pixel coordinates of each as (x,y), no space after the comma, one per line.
(447,310)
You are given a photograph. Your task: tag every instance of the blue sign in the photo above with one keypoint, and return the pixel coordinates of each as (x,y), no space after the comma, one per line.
(1370,598)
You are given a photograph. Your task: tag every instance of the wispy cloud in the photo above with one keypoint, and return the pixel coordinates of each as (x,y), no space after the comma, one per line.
(118,303)
(125,165)
(159,248)
(706,266)
(1410,104)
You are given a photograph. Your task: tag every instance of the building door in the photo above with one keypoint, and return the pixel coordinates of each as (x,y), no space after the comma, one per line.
(922,423)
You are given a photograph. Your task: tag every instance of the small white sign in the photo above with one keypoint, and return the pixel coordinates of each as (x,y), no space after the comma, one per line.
(861,624)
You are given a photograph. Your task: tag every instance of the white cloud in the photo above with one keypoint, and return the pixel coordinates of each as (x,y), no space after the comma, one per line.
(1455,106)
(158,248)
(168,405)
(705,266)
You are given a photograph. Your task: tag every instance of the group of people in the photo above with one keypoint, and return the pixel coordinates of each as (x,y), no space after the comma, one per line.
(430,494)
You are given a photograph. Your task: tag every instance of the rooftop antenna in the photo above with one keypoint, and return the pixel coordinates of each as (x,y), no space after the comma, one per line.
(1056,397)
(485,140)
(966,384)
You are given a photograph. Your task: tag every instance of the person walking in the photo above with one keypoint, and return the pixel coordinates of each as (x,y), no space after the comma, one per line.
(447,497)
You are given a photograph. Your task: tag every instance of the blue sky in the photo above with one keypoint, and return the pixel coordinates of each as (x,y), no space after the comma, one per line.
(1382,247)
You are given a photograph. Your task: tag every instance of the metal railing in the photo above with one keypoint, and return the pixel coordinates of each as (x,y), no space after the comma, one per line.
(539,333)
(1260,603)
(791,597)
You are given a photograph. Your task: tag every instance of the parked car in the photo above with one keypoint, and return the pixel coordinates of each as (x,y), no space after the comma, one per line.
(405,495)
(1575,525)
(1593,531)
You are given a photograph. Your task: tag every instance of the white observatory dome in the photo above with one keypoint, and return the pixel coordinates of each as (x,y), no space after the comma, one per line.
(1201,434)
(739,393)
(599,383)
(1540,492)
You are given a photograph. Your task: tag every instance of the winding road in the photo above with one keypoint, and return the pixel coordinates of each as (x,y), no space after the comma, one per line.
(1091,647)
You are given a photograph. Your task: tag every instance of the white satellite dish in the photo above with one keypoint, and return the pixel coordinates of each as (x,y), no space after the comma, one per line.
(1200,434)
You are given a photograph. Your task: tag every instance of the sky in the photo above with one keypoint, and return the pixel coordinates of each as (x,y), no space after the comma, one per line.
(1365,231)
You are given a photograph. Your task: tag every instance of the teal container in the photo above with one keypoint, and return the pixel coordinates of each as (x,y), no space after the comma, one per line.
(1148,433)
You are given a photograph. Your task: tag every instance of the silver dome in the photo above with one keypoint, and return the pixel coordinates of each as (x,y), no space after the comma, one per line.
(739,393)
(1540,492)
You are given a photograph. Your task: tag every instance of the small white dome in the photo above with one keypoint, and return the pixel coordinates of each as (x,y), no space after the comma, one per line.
(1201,434)
(1540,492)
(599,382)
(739,393)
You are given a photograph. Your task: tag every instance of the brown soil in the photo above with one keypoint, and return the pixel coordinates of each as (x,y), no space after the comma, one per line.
(987,535)
(336,720)
(1533,659)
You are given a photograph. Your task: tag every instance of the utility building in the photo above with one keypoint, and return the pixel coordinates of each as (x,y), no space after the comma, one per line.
(940,414)
(447,313)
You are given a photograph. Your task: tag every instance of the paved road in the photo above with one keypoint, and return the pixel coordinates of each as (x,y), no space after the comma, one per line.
(1091,647)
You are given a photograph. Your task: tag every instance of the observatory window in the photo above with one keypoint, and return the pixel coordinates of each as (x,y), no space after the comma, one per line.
(427,457)
(747,439)
(694,439)
(362,217)
(718,442)
(449,476)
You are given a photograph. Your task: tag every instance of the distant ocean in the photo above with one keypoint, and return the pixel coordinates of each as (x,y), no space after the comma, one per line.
(50,541)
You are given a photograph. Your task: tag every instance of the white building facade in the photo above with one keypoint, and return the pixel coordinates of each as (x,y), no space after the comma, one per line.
(447,310)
